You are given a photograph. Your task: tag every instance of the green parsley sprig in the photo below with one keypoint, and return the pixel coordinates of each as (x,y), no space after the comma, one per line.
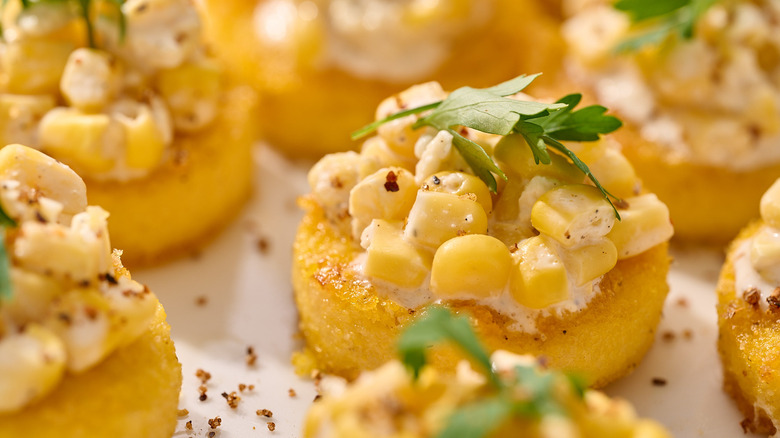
(6,289)
(85,10)
(661,19)
(479,419)
(489,110)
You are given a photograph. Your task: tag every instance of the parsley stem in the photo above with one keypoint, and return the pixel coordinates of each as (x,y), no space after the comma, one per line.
(6,289)
(85,13)
(368,129)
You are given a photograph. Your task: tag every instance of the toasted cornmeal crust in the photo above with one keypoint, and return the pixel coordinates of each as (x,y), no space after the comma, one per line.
(520,39)
(133,393)
(747,344)
(707,204)
(182,204)
(349,328)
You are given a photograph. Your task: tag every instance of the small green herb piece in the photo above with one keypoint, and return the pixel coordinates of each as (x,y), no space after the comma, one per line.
(6,289)
(537,395)
(661,19)
(439,325)
(85,9)
(489,110)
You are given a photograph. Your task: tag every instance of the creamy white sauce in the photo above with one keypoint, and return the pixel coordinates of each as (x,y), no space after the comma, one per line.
(524,318)
(746,276)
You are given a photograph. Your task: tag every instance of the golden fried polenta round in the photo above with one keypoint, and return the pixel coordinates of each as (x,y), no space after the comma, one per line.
(183,203)
(309,107)
(747,343)
(133,393)
(349,327)
(707,204)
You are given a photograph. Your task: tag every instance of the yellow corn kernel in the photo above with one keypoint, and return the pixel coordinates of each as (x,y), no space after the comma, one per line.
(34,66)
(144,139)
(643,225)
(33,293)
(79,253)
(460,183)
(611,168)
(192,92)
(90,79)
(387,194)
(50,178)
(507,207)
(131,308)
(765,253)
(515,153)
(770,205)
(376,155)
(590,262)
(32,363)
(391,258)
(538,277)
(20,115)
(573,215)
(473,265)
(77,138)
(398,134)
(437,217)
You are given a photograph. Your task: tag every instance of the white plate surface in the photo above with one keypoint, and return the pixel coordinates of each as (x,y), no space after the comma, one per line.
(248,302)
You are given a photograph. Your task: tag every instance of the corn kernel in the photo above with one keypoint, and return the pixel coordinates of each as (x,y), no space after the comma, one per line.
(770,205)
(391,258)
(398,134)
(473,265)
(31,363)
(437,217)
(33,293)
(20,115)
(765,253)
(643,225)
(590,262)
(34,66)
(50,178)
(376,155)
(538,277)
(611,168)
(144,137)
(331,179)
(77,138)
(573,215)
(387,194)
(515,153)
(460,183)
(90,79)
(507,207)
(437,154)
(192,92)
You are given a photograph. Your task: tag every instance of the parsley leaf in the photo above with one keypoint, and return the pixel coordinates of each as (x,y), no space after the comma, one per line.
(489,110)
(478,419)
(439,325)
(661,19)
(6,289)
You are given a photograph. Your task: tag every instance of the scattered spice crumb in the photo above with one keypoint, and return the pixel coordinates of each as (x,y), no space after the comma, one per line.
(746,425)
(203,397)
(291,392)
(658,381)
(668,336)
(182,412)
(262,245)
(204,376)
(232,399)
(251,387)
(317,397)
(271,426)
(688,334)
(212,434)
(215,422)
(251,356)
(241,387)
(265,413)
(188,426)
(682,302)
(201,301)
(752,296)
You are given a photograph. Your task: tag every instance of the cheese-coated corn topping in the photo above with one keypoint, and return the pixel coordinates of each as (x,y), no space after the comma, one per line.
(72,302)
